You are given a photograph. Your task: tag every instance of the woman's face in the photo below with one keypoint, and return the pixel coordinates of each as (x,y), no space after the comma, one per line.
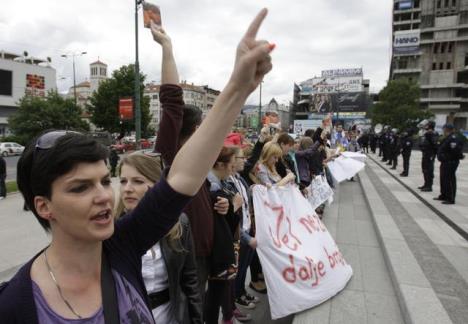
(240,161)
(227,169)
(81,203)
(272,161)
(133,186)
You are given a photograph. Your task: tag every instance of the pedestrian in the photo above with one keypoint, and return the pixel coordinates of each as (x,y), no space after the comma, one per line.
(168,268)
(363,141)
(449,154)
(225,256)
(178,123)
(428,145)
(373,139)
(267,173)
(92,268)
(353,145)
(3,174)
(406,147)
(113,160)
(395,147)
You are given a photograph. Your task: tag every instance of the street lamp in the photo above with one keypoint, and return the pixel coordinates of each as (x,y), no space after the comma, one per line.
(73,55)
(137,81)
(260,109)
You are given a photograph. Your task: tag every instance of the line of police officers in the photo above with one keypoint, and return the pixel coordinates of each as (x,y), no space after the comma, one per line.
(448,151)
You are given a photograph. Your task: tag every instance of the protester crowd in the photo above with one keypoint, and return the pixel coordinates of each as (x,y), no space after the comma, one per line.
(184,233)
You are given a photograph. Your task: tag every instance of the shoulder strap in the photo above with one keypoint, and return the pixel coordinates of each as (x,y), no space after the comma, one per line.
(109,294)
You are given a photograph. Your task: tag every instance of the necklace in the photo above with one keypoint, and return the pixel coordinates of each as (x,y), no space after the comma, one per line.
(58,287)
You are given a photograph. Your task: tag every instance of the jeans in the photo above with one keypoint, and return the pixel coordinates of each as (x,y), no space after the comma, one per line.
(2,186)
(246,254)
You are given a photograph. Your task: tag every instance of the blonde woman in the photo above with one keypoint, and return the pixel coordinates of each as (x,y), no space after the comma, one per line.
(168,268)
(266,169)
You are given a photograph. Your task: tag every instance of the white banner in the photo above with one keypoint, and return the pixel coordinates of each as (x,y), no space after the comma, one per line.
(302,265)
(319,191)
(355,155)
(344,168)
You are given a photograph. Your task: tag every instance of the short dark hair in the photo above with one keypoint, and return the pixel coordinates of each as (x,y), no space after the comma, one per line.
(309,132)
(285,139)
(38,168)
(192,118)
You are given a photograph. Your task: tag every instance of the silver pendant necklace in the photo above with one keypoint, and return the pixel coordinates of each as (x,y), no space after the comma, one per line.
(58,287)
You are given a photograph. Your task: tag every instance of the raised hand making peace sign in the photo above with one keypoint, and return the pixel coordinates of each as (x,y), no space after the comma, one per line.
(253,58)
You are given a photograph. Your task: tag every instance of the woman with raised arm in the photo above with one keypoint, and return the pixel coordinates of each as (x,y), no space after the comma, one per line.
(91,271)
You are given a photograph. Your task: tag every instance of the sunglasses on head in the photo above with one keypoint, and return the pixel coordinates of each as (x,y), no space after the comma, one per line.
(155,155)
(48,140)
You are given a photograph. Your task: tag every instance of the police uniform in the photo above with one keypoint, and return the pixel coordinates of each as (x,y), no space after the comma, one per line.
(449,154)
(394,150)
(406,147)
(428,147)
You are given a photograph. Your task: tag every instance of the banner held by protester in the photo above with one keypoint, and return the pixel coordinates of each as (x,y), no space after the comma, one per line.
(343,168)
(302,264)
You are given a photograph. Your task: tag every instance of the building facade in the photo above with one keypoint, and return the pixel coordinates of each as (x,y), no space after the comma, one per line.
(22,75)
(430,46)
(202,97)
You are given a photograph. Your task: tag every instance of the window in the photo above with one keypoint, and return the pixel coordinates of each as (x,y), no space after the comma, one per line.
(436,48)
(155,96)
(441,65)
(439,4)
(454,3)
(449,65)
(434,66)
(6,83)
(442,48)
(450,46)
(447,3)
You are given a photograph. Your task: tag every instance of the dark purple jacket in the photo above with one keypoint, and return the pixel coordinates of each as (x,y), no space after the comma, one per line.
(134,234)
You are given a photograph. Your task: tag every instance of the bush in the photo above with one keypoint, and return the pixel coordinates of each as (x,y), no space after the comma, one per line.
(12,138)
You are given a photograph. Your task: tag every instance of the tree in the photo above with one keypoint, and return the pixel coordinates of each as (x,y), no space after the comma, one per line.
(36,114)
(104,103)
(398,105)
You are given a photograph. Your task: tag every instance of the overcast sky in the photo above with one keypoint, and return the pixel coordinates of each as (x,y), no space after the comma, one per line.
(311,36)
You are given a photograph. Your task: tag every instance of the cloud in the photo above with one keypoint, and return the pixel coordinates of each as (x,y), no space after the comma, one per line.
(311,35)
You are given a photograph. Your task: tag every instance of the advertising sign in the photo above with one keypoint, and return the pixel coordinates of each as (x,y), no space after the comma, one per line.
(300,126)
(126,108)
(35,85)
(349,102)
(406,41)
(405,4)
(332,84)
(342,72)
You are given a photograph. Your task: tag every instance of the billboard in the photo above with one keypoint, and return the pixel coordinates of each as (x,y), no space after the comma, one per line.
(342,72)
(406,41)
(350,102)
(35,85)
(126,108)
(332,84)
(300,126)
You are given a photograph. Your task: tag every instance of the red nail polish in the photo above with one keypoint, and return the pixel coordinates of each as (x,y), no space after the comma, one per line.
(272,46)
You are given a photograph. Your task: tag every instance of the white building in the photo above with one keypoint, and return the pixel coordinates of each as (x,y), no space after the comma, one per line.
(20,75)
(202,97)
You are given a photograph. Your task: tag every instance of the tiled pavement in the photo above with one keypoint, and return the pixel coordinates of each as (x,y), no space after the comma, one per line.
(428,259)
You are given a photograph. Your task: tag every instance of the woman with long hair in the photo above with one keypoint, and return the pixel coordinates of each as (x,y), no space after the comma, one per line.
(168,267)
(266,169)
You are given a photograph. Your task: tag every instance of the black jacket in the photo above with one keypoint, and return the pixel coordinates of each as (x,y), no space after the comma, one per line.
(182,273)
(2,167)
(451,149)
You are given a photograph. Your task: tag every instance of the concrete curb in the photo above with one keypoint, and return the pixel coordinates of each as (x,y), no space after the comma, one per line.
(418,301)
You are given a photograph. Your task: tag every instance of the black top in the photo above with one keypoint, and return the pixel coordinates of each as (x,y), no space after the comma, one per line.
(134,234)
(450,149)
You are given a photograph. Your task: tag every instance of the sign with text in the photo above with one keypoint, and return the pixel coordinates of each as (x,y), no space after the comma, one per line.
(342,72)
(301,263)
(406,41)
(301,125)
(35,85)
(126,108)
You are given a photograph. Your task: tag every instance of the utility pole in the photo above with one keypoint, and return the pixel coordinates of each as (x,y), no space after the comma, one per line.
(137,81)
(73,55)
(260,110)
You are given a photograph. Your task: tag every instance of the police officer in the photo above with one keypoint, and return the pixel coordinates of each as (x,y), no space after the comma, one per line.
(406,147)
(449,154)
(394,149)
(386,143)
(428,147)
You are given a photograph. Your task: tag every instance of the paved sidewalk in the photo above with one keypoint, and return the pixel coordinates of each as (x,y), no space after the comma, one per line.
(428,259)
(458,213)
(369,297)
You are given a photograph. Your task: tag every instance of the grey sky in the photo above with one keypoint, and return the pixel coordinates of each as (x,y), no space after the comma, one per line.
(311,35)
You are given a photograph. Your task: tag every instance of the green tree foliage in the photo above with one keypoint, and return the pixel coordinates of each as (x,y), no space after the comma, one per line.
(104,103)
(36,114)
(398,105)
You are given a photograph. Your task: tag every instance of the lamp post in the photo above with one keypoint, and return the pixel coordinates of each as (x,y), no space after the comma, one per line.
(260,109)
(137,81)
(73,55)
